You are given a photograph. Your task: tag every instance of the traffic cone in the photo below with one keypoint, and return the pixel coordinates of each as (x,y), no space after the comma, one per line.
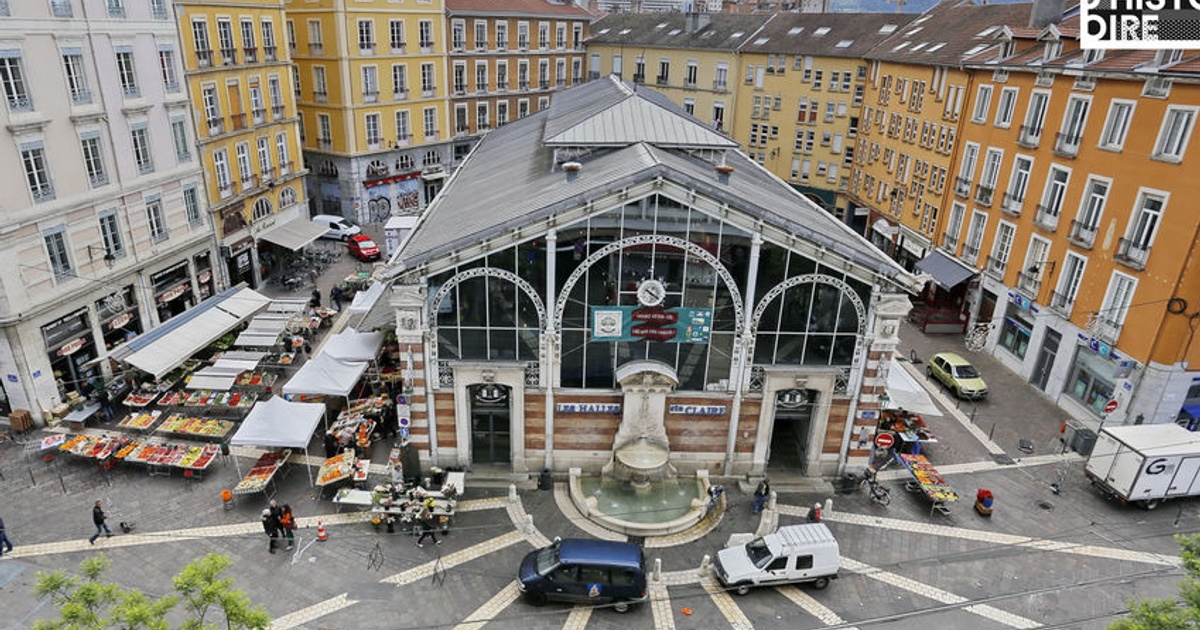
(321,535)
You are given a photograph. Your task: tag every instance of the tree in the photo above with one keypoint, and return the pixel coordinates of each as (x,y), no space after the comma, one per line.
(209,600)
(1170,614)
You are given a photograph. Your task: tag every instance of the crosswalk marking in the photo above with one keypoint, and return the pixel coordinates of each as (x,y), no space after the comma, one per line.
(491,608)
(724,601)
(660,605)
(812,606)
(316,611)
(455,558)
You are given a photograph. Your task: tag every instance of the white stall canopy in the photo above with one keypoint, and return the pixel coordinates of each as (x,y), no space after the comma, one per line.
(222,374)
(163,349)
(264,331)
(277,423)
(288,305)
(351,345)
(904,392)
(325,375)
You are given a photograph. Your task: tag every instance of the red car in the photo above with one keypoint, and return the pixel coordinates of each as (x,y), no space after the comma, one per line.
(363,248)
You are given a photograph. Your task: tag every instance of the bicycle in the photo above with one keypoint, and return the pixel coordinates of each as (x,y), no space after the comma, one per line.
(879,492)
(1060,475)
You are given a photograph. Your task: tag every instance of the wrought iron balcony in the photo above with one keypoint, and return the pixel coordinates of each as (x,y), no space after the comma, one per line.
(1029,282)
(962,186)
(1046,217)
(1029,137)
(1066,145)
(1131,253)
(1082,235)
(1012,204)
(983,195)
(995,267)
(1062,303)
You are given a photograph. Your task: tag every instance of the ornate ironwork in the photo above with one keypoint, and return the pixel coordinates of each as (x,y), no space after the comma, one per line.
(649,239)
(533,374)
(481,272)
(811,278)
(445,374)
(758,378)
(841,382)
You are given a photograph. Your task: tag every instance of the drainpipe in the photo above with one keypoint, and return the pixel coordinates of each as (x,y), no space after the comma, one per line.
(855,386)
(743,353)
(549,365)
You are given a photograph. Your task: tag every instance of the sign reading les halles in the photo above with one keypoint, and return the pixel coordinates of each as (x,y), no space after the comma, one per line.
(613,408)
(1140,24)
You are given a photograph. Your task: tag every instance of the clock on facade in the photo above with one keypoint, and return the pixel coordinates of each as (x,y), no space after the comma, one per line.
(651,292)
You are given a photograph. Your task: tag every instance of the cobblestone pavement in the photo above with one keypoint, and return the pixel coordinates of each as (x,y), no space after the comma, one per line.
(1068,560)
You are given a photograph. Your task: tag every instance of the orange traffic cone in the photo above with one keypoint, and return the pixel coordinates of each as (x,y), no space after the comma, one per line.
(321,535)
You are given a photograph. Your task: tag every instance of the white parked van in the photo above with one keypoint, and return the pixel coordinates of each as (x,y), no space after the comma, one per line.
(336,227)
(796,553)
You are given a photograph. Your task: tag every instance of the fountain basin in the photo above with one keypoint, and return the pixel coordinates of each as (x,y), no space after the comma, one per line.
(653,508)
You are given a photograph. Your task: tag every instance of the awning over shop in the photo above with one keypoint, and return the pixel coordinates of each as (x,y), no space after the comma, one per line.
(351,345)
(905,392)
(294,234)
(166,347)
(883,228)
(325,375)
(946,271)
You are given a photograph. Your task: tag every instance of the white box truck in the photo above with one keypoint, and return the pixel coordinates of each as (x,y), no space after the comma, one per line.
(795,553)
(1146,464)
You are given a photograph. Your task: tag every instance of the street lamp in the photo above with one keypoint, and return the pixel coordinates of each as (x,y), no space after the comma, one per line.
(109,259)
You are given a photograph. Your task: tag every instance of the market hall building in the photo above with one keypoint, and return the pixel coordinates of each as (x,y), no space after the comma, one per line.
(613,257)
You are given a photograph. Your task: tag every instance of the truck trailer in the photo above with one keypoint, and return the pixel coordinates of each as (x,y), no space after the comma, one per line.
(1146,464)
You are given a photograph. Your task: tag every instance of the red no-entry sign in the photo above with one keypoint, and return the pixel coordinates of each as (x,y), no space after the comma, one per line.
(884,440)
(1110,406)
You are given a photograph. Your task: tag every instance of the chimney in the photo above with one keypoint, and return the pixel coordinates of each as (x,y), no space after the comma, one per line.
(696,21)
(1045,13)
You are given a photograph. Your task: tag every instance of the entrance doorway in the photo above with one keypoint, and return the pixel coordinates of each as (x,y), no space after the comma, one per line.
(1045,359)
(491,434)
(793,424)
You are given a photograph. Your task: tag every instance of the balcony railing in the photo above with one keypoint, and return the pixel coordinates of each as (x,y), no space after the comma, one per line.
(225,189)
(366,48)
(995,267)
(502,86)
(523,86)
(98,179)
(81,97)
(962,186)
(277,111)
(285,168)
(250,54)
(321,96)
(116,11)
(1066,145)
(316,48)
(20,103)
(983,195)
(970,254)
(259,115)
(639,78)
(216,126)
(172,87)
(58,8)
(43,192)
(146,167)
(249,182)
(661,81)
(1107,330)
(238,120)
(1029,137)
(1061,303)
(1082,235)
(371,97)
(1029,282)
(398,48)
(228,56)
(1012,204)
(460,89)
(268,174)
(204,58)
(400,95)
(158,11)
(325,143)
(269,53)
(1046,217)
(561,82)
(950,243)
(132,90)
(428,92)
(1132,254)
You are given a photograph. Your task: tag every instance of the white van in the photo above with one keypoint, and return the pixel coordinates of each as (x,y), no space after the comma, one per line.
(336,227)
(796,553)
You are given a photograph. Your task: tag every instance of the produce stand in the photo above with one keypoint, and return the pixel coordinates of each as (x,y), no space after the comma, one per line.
(912,434)
(181,424)
(141,420)
(338,468)
(138,399)
(279,424)
(927,481)
(262,472)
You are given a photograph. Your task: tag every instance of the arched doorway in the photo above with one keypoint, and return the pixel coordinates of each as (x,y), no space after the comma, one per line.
(491,430)
(792,430)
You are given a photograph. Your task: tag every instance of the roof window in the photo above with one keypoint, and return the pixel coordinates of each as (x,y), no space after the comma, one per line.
(795,30)
(887,29)
(845,43)
(820,32)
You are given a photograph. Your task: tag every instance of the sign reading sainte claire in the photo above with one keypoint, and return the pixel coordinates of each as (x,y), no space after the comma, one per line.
(588,407)
(697,410)
(1140,24)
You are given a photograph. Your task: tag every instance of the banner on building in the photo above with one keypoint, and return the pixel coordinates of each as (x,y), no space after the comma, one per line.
(636,323)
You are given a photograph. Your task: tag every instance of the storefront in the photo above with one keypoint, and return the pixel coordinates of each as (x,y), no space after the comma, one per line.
(239,261)
(172,291)
(1017,328)
(1092,380)
(205,278)
(119,317)
(71,349)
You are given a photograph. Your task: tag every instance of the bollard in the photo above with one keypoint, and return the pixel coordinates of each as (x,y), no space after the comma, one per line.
(992,431)
(771,499)
(528,521)
(828,506)
(705,563)
(512,493)
(657,575)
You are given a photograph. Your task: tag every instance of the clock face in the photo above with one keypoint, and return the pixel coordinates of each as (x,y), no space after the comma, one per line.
(651,293)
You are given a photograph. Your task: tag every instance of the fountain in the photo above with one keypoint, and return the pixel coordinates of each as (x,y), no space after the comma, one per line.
(639,492)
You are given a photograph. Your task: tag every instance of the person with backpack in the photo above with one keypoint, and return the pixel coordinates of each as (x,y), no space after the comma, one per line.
(761,494)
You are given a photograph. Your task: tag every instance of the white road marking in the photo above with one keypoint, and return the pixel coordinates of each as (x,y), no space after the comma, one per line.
(310,613)
(490,608)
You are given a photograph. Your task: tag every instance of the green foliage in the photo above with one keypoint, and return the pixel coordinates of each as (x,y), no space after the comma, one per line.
(1170,614)
(210,602)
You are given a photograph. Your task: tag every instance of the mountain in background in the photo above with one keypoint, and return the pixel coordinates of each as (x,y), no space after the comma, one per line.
(889,6)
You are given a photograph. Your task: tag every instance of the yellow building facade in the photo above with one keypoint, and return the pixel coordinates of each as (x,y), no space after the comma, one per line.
(238,71)
(1072,197)
(372,91)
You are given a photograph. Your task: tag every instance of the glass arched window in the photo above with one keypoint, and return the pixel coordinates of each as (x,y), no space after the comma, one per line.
(431,158)
(404,163)
(377,168)
(262,208)
(287,198)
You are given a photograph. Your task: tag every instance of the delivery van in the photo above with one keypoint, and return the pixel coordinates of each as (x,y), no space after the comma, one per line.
(585,571)
(795,553)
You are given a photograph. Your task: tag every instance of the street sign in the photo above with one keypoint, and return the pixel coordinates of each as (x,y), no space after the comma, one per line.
(1110,406)
(884,440)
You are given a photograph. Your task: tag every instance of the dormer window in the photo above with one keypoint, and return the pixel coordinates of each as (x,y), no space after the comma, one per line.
(1092,55)
(1052,51)
(1168,56)
(1007,48)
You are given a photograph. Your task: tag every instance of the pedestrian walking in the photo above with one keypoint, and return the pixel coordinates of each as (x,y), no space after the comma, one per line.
(288,523)
(98,518)
(425,522)
(315,302)
(106,409)
(270,525)
(336,296)
(4,541)
(761,494)
(312,276)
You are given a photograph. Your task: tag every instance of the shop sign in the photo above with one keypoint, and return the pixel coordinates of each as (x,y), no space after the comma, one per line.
(173,293)
(203,276)
(72,347)
(168,272)
(64,326)
(371,183)
(1022,301)
(868,414)
(120,321)
(636,323)
(613,408)
(698,410)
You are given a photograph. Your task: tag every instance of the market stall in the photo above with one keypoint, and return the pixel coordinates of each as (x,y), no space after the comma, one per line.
(927,481)
(262,473)
(905,393)
(351,345)
(196,426)
(909,429)
(279,424)
(141,420)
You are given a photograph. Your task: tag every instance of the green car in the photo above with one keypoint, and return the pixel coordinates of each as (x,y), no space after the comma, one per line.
(957,374)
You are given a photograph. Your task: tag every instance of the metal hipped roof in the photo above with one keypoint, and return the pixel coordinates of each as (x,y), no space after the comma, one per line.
(293,234)
(638,120)
(947,272)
